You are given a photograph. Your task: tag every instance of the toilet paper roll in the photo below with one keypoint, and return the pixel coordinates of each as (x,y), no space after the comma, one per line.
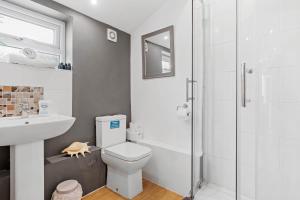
(184,111)
(133,135)
(135,127)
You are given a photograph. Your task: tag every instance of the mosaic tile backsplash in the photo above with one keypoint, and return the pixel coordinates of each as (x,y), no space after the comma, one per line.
(13,97)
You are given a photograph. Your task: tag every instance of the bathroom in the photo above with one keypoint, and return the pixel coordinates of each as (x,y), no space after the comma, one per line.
(152,100)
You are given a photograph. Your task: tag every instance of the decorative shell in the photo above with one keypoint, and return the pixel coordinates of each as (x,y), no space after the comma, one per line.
(77,148)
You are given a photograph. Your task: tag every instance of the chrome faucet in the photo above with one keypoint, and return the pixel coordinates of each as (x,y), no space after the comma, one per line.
(25,109)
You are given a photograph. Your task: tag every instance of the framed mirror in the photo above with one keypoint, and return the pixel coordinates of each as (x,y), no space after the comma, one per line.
(158,53)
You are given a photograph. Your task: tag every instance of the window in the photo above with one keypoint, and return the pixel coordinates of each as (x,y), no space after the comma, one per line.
(166,62)
(21,28)
(12,26)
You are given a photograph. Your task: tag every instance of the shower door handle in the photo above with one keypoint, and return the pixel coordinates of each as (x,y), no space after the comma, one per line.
(188,82)
(244,73)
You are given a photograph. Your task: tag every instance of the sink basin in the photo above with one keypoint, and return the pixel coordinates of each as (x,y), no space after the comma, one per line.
(17,130)
(26,136)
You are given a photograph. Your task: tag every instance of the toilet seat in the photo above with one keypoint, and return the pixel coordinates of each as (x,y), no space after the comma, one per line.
(128,151)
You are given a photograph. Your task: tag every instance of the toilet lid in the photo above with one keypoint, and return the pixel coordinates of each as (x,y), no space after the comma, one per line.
(128,151)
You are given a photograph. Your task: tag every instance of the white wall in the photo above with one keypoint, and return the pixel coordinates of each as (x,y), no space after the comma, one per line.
(57,84)
(154,101)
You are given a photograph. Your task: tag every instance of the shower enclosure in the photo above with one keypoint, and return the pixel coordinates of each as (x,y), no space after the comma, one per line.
(247,89)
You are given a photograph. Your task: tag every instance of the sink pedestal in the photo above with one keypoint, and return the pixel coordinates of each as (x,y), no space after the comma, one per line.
(26,136)
(27,171)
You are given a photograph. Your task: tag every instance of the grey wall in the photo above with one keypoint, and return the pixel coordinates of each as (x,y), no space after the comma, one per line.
(4,185)
(101,80)
(101,77)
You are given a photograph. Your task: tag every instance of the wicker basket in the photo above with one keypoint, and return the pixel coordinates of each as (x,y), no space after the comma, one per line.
(68,190)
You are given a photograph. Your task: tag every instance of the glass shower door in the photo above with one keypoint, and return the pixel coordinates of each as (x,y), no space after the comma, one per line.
(197,161)
(214,69)
(269,108)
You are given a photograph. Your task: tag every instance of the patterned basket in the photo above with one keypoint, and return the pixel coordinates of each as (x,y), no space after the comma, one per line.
(68,190)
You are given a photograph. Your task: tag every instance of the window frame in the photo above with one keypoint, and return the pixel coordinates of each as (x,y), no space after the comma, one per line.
(19,13)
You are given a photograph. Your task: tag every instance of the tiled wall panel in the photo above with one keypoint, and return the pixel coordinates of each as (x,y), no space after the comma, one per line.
(13,99)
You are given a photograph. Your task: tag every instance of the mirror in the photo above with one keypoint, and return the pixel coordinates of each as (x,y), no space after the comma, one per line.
(158,53)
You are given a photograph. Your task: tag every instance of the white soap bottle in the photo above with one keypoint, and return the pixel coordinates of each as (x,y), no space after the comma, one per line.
(43,107)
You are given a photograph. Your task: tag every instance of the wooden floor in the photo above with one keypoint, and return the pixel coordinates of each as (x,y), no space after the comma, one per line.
(151,192)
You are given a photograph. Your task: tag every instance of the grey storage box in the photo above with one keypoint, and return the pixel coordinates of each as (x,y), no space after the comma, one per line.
(86,170)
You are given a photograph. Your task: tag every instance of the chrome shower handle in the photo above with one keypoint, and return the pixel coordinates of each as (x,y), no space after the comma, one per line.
(188,82)
(244,72)
(243,85)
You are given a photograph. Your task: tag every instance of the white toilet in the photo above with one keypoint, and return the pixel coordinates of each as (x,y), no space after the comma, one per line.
(124,160)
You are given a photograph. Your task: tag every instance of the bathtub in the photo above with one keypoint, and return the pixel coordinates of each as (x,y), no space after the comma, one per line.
(169,167)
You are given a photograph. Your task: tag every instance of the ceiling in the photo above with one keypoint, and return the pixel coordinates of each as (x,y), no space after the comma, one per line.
(125,15)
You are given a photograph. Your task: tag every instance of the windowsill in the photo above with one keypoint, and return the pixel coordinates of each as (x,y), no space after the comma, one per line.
(3,64)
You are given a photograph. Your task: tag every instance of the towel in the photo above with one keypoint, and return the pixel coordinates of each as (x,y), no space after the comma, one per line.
(40,61)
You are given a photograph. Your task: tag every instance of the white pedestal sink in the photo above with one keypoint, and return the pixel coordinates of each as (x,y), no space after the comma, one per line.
(26,136)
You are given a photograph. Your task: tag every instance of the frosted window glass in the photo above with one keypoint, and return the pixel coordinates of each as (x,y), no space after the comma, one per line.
(23,29)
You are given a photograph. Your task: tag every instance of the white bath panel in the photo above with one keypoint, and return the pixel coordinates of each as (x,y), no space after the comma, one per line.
(169,167)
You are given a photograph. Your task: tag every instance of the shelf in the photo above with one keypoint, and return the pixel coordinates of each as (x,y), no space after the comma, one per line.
(63,157)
